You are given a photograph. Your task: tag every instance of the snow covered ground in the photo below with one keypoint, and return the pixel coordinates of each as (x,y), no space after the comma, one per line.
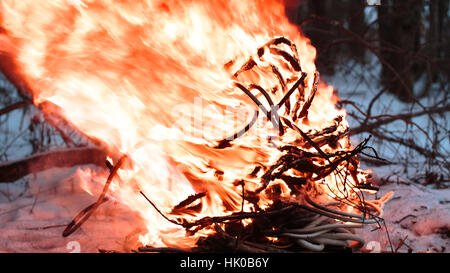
(417,219)
(33,216)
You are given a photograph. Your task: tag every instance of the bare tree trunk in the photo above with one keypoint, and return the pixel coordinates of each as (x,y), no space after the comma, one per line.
(11,171)
(399,26)
(437,38)
(357,24)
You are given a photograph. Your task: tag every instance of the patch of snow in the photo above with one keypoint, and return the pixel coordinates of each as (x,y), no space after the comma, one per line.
(417,219)
(35,221)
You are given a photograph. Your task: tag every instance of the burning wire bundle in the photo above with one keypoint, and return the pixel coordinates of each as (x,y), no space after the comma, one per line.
(282,213)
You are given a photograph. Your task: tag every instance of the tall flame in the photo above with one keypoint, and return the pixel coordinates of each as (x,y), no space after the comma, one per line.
(153,79)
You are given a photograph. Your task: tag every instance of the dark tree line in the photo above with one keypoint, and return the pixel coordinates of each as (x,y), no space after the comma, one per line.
(412,38)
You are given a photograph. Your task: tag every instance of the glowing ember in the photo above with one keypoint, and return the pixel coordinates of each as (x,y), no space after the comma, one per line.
(160,81)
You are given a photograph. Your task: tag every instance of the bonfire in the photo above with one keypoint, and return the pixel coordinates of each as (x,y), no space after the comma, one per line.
(219,131)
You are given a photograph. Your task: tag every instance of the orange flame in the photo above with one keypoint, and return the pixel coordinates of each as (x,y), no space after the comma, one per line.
(148,79)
